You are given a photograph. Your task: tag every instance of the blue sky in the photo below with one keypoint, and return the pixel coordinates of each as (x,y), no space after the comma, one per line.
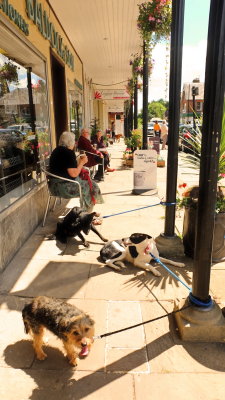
(194,49)
(196,21)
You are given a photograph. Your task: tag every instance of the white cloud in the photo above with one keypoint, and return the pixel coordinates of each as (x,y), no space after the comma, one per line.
(193,65)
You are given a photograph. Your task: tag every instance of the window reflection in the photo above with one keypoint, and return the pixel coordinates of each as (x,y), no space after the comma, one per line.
(41,113)
(75,106)
(18,144)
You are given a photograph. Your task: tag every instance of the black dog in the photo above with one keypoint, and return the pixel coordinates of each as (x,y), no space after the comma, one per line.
(75,222)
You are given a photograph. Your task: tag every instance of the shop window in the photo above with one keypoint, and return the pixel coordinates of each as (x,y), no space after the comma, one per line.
(75,107)
(20,146)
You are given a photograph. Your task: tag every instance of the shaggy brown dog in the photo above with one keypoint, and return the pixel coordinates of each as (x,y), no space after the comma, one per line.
(67,322)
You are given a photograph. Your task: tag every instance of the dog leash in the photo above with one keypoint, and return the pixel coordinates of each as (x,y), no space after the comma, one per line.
(170,272)
(141,323)
(194,300)
(162,203)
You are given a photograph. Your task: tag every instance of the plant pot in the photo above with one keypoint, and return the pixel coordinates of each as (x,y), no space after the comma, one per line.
(189,229)
(129,163)
(161,163)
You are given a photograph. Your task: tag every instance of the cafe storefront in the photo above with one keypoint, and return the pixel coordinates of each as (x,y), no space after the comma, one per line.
(41,95)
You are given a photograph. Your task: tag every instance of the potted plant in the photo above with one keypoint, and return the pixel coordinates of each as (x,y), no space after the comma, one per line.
(189,200)
(154,17)
(128,157)
(160,161)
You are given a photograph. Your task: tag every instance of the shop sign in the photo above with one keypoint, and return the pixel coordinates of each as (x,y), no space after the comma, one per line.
(14,16)
(116,108)
(40,19)
(111,94)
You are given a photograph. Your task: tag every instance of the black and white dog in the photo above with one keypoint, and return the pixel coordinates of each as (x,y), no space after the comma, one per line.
(74,223)
(135,249)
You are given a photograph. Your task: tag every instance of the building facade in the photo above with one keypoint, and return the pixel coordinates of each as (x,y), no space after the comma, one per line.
(190,105)
(41,95)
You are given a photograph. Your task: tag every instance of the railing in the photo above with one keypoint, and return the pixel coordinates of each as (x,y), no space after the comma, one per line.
(23,177)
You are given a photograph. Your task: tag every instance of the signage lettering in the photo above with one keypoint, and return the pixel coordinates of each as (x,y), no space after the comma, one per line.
(40,19)
(14,16)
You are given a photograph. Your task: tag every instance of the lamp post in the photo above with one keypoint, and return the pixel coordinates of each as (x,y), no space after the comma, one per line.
(194,93)
(145,95)
(174,113)
(135,105)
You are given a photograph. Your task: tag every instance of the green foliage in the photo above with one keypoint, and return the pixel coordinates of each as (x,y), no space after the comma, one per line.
(193,161)
(195,140)
(135,140)
(94,126)
(8,72)
(156,110)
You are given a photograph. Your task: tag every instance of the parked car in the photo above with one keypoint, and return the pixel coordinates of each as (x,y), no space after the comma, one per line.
(24,128)
(150,130)
(186,133)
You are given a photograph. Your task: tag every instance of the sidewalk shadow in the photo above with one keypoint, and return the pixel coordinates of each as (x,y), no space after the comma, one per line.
(63,379)
(61,279)
(145,279)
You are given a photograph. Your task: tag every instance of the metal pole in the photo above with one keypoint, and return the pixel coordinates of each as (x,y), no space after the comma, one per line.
(193,100)
(32,112)
(212,121)
(135,105)
(174,112)
(31,102)
(145,95)
(130,116)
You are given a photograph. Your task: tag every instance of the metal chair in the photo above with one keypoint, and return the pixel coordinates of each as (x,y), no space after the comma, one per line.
(49,175)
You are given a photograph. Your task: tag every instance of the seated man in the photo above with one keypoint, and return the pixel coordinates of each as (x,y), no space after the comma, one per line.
(96,157)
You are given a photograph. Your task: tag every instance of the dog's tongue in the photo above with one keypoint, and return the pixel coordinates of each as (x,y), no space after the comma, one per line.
(84,352)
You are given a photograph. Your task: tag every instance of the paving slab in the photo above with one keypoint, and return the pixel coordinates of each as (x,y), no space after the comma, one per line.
(179,386)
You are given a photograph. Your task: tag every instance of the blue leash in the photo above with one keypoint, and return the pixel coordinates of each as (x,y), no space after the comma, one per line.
(194,300)
(170,272)
(141,208)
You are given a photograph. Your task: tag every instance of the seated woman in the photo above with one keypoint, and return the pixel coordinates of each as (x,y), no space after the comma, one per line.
(63,163)
(94,156)
(98,141)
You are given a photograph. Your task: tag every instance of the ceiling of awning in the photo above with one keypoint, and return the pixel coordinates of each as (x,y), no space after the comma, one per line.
(104,34)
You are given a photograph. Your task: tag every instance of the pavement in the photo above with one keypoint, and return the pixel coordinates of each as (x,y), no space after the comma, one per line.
(146,362)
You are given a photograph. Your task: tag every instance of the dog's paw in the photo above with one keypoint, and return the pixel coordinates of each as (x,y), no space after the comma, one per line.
(41,356)
(180,265)
(153,271)
(86,244)
(156,273)
(104,240)
(73,362)
(121,264)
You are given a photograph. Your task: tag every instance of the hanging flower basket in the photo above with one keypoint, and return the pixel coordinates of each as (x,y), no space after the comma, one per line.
(9,73)
(154,17)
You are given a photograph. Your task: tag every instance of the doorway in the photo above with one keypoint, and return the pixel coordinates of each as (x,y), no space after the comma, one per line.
(59,96)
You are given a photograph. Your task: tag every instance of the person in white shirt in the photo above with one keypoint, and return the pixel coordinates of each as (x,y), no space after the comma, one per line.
(164,134)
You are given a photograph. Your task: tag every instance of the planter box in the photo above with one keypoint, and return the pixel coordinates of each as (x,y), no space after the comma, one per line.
(129,163)
(189,229)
